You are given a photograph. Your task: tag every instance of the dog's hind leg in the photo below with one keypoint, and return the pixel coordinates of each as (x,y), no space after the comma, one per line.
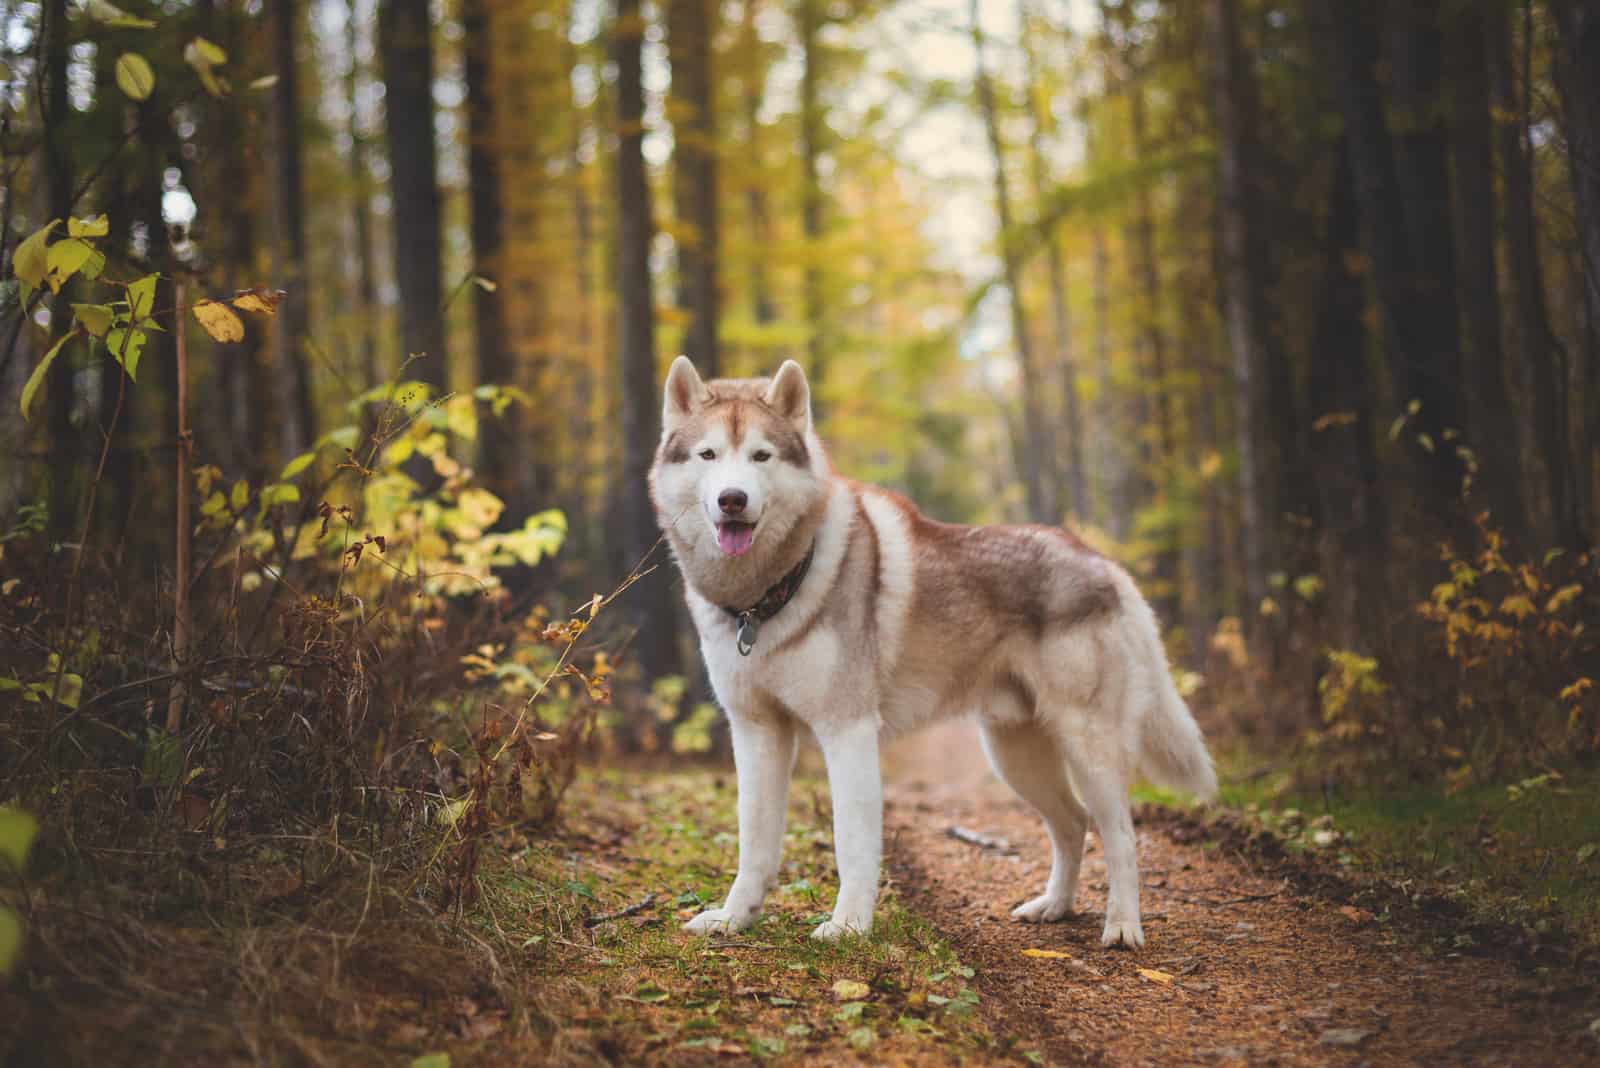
(1102,782)
(1027,759)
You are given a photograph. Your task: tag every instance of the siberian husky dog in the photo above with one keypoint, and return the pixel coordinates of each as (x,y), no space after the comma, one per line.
(836,606)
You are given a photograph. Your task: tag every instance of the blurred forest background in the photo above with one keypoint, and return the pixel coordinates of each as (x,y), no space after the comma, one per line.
(1293,306)
(331,334)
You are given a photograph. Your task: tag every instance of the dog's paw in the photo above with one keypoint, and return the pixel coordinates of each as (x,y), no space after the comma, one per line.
(719,921)
(1123,932)
(833,930)
(1043,909)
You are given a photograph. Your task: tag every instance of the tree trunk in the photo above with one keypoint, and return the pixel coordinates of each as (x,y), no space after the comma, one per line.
(1344,458)
(366,287)
(1542,360)
(498,457)
(1578,79)
(1246,272)
(762,308)
(1422,154)
(65,462)
(654,647)
(690,26)
(1416,307)
(230,208)
(1076,488)
(1496,440)
(1034,462)
(407,48)
(811,199)
(1115,509)
(1153,342)
(291,377)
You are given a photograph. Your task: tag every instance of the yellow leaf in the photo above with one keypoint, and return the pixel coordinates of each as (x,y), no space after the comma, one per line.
(1577,689)
(134,76)
(1047,954)
(1517,605)
(35,380)
(219,320)
(850,990)
(31,261)
(65,258)
(1562,597)
(98,226)
(1155,976)
(262,300)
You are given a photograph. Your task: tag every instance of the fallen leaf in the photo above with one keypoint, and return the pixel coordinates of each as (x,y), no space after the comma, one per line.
(1155,976)
(1354,915)
(1047,954)
(850,990)
(1343,1036)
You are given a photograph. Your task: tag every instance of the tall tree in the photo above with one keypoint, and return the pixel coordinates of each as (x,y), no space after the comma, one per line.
(757,210)
(1578,79)
(654,647)
(691,25)
(1543,360)
(1415,57)
(366,284)
(810,25)
(1344,461)
(1162,473)
(291,377)
(1472,177)
(1245,280)
(407,47)
(58,179)
(494,363)
(1034,454)
(1416,307)
(1076,486)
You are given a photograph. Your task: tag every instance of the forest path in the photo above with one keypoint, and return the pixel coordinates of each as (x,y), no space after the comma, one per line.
(1264,967)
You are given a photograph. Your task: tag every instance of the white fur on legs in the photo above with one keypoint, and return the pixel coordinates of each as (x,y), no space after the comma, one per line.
(1105,794)
(1026,758)
(856,784)
(763,754)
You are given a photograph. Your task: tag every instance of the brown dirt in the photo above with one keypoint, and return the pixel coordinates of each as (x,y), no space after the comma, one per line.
(1266,967)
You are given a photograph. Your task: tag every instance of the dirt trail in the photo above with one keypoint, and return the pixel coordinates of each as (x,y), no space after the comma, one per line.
(1263,973)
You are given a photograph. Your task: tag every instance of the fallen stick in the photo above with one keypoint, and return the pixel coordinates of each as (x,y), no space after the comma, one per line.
(982,841)
(621,914)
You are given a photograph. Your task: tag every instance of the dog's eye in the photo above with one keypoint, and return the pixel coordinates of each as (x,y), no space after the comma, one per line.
(761,456)
(708,454)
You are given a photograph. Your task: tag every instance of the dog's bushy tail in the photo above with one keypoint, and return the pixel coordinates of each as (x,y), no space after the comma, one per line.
(1172,752)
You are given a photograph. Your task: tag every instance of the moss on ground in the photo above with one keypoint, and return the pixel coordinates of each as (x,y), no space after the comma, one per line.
(638,988)
(1524,851)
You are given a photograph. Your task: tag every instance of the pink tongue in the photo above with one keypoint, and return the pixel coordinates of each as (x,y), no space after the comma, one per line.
(735,538)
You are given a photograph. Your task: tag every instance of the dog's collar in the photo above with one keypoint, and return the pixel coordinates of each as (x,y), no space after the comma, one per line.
(749,620)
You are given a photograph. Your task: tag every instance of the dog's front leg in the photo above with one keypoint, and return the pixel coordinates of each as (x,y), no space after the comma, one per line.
(856,783)
(763,754)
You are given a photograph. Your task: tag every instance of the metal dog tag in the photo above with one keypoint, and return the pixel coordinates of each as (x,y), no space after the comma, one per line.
(748,629)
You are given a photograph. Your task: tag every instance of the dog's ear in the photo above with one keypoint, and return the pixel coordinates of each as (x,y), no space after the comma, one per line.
(685,392)
(790,395)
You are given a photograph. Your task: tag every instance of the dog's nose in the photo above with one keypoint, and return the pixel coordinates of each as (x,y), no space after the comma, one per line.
(732,501)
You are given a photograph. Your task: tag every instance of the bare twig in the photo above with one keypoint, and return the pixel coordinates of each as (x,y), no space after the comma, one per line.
(180,615)
(621,914)
(982,841)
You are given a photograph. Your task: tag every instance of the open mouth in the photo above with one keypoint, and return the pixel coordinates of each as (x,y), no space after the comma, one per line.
(734,538)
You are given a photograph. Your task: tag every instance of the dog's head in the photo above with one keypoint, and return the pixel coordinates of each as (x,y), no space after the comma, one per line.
(739,465)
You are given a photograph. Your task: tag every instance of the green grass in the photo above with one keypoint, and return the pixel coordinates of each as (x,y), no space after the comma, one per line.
(1523,851)
(639,988)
